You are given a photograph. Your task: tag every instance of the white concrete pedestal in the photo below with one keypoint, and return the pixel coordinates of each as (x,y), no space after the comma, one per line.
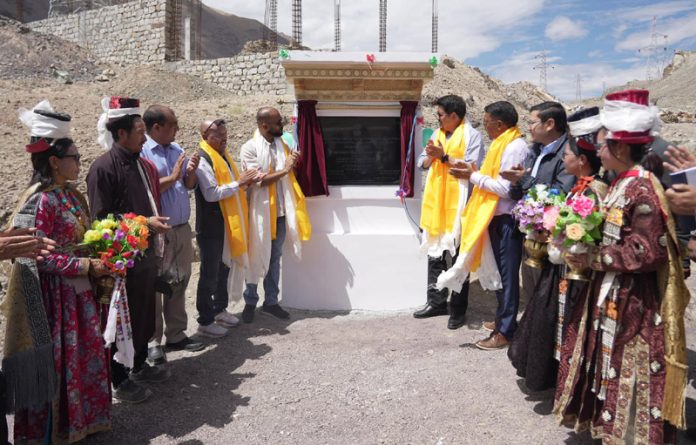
(364,254)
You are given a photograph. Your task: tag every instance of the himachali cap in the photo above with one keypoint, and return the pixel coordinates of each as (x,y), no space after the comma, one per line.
(629,117)
(45,124)
(115,107)
(584,125)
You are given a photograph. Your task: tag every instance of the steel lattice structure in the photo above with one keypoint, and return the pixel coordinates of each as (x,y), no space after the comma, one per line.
(337,25)
(297,22)
(382,25)
(435,27)
(270,20)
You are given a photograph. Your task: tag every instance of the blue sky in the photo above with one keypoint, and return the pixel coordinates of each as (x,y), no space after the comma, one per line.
(598,40)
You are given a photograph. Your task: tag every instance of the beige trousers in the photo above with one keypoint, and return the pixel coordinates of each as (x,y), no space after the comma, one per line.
(178,255)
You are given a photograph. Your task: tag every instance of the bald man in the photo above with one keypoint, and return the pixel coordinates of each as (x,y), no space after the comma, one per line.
(271,205)
(216,204)
(177,176)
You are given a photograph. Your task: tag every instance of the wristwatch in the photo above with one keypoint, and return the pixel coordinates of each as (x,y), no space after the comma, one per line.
(444,158)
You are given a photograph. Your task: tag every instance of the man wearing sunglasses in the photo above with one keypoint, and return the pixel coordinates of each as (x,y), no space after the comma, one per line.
(221,229)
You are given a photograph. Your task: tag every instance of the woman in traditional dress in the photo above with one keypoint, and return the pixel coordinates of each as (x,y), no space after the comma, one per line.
(627,359)
(55,361)
(535,349)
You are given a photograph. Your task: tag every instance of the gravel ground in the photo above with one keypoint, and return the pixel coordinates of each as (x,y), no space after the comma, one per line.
(346,378)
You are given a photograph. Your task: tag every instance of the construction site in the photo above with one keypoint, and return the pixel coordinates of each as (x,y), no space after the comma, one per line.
(341,376)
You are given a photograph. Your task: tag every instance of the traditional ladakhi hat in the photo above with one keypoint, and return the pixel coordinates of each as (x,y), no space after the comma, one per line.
(45,124)
(629,117)
(114,107)
(584,126)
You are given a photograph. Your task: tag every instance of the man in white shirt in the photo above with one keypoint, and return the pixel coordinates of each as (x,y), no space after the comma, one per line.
(506,240)
(271,211)
(212,297)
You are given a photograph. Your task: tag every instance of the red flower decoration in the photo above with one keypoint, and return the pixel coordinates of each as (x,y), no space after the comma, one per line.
(129,215)
(420,120)
(370,58)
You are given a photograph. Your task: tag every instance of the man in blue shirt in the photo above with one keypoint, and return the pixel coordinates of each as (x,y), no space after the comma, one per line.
(177,176)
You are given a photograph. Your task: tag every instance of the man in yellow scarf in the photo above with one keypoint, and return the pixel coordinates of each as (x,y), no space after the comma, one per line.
(444,198)
(488,216)
(276,208)
(221,229)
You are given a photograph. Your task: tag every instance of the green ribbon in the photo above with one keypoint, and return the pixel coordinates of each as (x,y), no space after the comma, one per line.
(433,61)
(283,53)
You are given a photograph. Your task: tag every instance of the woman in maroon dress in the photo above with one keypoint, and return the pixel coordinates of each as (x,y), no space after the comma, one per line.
(626,369)
(80,404)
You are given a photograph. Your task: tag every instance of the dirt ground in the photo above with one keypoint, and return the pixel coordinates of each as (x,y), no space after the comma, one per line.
(348,378)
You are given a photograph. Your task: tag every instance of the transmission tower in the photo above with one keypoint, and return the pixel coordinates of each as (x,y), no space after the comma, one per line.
(337,25)
(658,45)
(382,25)
(578,88)
(270,21)
(297,22)
(543,68)
(435,27)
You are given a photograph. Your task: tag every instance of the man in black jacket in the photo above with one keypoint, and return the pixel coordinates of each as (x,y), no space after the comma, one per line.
(548,126)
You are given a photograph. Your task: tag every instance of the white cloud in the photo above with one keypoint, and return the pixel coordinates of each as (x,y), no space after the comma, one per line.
(466,28)
(563,28)
(676,30)
(561,78)
(658,10)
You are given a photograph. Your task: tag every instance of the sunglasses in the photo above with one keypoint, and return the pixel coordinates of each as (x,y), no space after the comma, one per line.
(216,122)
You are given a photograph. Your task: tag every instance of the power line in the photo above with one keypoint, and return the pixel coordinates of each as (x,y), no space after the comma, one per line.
(382,25)
(658,45)
(337,25)
(435,27)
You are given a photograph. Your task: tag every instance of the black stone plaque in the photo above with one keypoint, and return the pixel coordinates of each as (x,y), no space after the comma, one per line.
(362,150)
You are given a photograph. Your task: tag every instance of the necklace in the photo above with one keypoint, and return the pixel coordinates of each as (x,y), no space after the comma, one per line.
(70,202)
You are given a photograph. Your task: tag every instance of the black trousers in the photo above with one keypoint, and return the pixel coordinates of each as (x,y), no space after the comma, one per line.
(4,436)
(459,301)
(211,295)
(119,373)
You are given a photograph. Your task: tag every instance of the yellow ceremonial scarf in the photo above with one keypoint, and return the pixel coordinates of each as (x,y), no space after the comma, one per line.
(441,194)
(481,206)
(304,226)
(236,225)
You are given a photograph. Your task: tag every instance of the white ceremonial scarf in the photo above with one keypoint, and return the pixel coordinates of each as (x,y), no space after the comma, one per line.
(260,211)
(104,137)
(44,126)
(448,242)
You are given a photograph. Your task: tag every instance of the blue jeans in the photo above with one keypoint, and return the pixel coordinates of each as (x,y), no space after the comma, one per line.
(272,278)
(506,242)
(211,295)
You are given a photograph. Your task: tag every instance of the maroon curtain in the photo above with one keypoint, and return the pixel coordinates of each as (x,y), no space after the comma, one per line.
(311,170)
(408,112)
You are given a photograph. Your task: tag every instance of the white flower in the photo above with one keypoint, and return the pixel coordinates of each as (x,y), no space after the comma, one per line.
(656,413)
(658,319)
(655,366)
(606,415)
(611,373)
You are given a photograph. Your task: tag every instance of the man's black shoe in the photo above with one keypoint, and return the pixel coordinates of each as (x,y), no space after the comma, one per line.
(248,313)
(456,321)
(186,345)
(430,311)
(276,311)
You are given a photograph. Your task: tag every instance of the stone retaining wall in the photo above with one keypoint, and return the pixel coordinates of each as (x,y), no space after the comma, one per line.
(245,74)
(131,33)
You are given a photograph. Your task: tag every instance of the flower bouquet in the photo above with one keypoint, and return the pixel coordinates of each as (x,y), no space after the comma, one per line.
(535,214)
(578,227)
(118,243)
